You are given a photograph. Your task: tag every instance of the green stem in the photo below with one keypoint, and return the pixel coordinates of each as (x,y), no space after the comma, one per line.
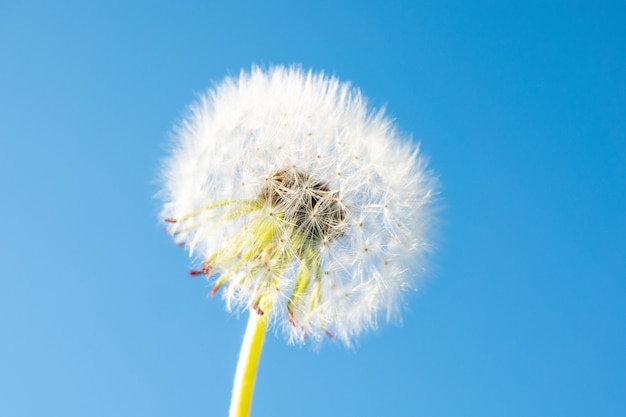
(243,388)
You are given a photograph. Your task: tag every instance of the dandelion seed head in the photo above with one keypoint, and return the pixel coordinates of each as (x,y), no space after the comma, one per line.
(303,199)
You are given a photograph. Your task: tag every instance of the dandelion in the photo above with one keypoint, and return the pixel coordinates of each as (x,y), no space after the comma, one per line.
(303,206)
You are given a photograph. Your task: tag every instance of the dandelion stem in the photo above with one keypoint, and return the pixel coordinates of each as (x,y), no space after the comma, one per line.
(243,388)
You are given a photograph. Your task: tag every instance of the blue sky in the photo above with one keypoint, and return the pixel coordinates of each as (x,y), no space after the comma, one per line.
(521,107)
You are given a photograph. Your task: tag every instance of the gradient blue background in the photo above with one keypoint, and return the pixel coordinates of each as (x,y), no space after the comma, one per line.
(521,108)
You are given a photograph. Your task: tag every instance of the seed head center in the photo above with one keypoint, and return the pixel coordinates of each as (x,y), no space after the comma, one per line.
(306,203)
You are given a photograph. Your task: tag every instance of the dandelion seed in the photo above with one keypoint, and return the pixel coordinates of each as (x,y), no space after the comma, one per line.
(312,209)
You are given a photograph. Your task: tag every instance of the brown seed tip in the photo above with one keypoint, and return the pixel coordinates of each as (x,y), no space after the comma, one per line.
(214,290)
(292,320)
(170,220)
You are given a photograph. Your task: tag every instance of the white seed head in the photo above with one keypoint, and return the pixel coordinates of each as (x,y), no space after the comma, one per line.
(300,200)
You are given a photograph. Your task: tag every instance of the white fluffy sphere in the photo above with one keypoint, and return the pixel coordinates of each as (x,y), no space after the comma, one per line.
(300,200)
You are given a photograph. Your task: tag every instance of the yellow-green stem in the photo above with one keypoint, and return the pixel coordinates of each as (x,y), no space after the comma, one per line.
(243,388)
